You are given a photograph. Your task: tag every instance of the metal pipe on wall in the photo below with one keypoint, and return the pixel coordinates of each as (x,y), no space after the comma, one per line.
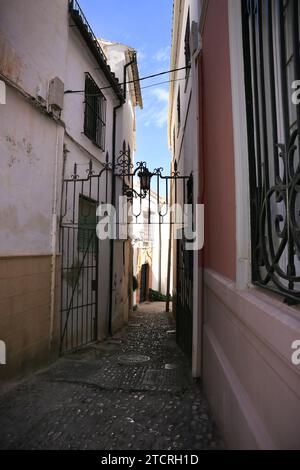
(113,196)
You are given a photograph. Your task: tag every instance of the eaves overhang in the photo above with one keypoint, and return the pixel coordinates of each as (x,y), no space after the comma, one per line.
(91,41)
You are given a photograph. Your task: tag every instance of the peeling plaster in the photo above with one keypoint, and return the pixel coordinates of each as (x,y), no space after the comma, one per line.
(11,64)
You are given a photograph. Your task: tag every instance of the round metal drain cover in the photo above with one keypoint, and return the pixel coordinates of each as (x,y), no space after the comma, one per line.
(133,359)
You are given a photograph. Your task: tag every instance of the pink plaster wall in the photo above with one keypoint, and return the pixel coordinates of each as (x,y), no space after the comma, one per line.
(249,378)
(216,135)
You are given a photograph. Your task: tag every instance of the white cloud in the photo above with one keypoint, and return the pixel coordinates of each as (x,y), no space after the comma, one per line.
(161,94)
(141,55)
(156,108)
(163,54)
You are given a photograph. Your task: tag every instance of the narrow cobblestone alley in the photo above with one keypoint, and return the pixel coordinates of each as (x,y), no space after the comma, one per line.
(95,399)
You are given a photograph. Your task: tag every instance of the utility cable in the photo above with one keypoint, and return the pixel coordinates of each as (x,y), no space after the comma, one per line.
(68,92)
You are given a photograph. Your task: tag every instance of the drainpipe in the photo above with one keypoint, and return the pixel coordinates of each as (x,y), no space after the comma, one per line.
(169,250)
(113,200)
(113,196)
(125,76)
(54,243)
(159,258)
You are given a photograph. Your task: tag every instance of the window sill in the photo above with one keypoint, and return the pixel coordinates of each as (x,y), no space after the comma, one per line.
(94,142)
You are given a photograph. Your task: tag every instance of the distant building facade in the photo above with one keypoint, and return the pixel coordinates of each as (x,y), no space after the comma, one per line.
(150,239)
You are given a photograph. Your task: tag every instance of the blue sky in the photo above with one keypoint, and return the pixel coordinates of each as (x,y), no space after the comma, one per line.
(145,25)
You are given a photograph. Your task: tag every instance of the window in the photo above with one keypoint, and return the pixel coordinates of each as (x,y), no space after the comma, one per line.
(87,222)
(178,109)
(272,63)
(187,46)
(174,142)
(95,112)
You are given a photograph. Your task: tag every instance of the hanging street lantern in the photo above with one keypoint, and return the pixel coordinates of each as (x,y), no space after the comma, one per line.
(145,180)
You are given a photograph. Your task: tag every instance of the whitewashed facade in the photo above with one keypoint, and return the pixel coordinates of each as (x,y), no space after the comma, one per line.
(150,245)
(182,129)
(42,136)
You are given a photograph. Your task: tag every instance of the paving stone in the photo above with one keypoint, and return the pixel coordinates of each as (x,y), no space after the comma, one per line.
(90,401)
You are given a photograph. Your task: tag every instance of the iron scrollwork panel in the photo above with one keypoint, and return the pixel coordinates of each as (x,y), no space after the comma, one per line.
(273,128)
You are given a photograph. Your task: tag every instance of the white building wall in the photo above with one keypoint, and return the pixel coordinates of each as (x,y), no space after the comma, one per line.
(32,52)
(117,55)
(33,42)
(146,242)
(31,143)
(125,132)
(79,61)
(185,135)
(185,144)
(28,145)
(37,151)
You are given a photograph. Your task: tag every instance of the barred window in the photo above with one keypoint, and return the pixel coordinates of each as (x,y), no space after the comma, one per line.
(178,109)
(174,142)
(272,64)
(187,45)
(95,112)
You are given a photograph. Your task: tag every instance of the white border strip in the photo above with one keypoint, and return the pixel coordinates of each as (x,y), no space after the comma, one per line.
(243,232)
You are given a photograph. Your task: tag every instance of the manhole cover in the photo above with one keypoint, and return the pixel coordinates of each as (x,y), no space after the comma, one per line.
(133,359)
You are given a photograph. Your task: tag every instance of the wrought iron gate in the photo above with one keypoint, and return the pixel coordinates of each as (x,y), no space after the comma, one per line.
(80,247)
(184,290)
(79,286)
(144,281)
(80,257)
(184,298)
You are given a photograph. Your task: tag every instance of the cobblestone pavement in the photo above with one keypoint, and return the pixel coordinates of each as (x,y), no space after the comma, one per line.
(92,400)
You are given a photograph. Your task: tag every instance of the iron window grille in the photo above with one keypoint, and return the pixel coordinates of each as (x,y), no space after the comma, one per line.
(272,63)
(178,109)
(174,142)
(95,113)
(187,46)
